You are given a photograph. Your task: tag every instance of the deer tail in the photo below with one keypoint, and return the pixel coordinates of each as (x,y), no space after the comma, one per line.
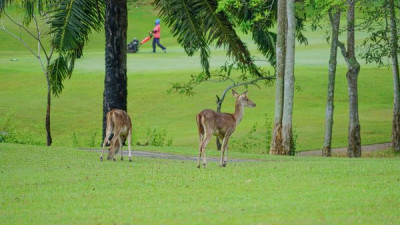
(200,127)
(110,126)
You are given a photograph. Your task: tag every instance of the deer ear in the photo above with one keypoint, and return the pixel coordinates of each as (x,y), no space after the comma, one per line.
(235,94)
(245,93)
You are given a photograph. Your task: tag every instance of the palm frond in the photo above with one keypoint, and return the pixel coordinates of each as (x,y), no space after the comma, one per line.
(71,22)
(265,41)
(30,7)
(257,18)
(4,4)
(58,70)
(198,23)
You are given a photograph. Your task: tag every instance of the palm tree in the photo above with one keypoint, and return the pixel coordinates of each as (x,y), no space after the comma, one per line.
(115,81)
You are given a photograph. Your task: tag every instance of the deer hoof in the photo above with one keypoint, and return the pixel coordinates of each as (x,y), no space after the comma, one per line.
(101,158)
(114,159)
(130,159)
(198,166)
(205,166)
(122,158)
(224,164)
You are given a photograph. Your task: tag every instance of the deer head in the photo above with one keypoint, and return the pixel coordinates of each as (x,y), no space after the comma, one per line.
(243,99)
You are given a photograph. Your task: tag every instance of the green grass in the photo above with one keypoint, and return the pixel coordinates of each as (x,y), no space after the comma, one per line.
(59,185)
(79,108)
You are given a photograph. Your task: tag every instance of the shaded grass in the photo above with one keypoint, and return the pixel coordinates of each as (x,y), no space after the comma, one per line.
(43,185)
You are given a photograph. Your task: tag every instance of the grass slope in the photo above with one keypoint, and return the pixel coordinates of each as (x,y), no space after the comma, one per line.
(77,113)
(60,185)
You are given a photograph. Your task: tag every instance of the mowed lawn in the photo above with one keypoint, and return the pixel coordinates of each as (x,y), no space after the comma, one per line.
(59,185)
(77,114)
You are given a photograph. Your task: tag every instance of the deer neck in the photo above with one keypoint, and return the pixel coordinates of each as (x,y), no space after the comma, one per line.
(238,114)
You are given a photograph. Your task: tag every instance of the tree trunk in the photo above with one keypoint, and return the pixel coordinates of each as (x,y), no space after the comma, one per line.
(354,135)
(287,134)
(395,70)
(115,82)
(335,22)
(276,142)
(49,140)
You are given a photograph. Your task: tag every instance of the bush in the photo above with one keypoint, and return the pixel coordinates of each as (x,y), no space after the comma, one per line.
(257,140)
(28,135)
(156,137)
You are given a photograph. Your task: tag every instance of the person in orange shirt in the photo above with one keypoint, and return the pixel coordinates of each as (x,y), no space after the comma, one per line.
(156,37)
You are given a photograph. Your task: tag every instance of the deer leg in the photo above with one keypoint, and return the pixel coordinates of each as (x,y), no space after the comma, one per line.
(207,138)
(198,161)
(224,148)
(201,139)
(129,145)
(120,148)
(122,154)
(111,154)
(104,145)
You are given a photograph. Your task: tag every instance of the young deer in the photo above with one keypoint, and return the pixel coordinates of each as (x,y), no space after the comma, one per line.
(222,125)
(119,125)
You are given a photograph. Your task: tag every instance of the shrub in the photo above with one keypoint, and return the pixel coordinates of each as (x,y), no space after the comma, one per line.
(155,137)
(27,135)
(257,140)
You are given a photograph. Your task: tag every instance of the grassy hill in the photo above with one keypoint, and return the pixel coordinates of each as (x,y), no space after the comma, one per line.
(77,113)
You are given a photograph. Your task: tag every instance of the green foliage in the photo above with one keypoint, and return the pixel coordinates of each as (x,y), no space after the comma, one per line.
(156,137)
(257,140)
(12,131)
(376,48)
(256,17)
(293,147)
(75,141)
(93,140)
(198,23)
(225,73)
(71,23)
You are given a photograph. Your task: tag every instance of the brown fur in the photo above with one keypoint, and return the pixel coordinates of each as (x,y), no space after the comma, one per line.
(119,124)
(222,125)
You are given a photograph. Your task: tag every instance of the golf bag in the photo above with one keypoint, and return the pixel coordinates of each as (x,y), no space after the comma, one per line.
(133,47)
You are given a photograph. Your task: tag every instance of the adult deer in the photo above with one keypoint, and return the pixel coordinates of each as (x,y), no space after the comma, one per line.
(119,125)
(222,125)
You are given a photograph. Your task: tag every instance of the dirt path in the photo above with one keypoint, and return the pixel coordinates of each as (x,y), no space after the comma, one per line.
(335,152)
(365,149)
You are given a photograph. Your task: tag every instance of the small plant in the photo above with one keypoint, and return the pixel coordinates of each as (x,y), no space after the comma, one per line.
(256,140)
(10,134)
(92,140)
(156,137)
(268,133)
(294,141)
(75,142)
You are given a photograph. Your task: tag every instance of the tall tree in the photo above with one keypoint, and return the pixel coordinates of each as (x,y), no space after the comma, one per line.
(380,22)
(276,141)
(287,133)
(335,23)
(115,81)
(395,70)
(353,69)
